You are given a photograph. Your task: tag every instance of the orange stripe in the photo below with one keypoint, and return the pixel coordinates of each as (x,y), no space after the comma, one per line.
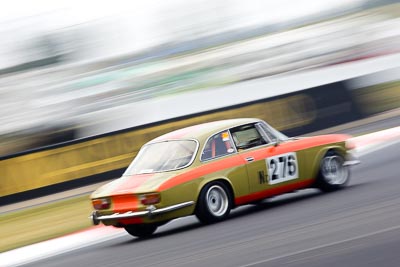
(273,191)
(129,184)
(124,203)
(238,159)
(207,168)
(296,145)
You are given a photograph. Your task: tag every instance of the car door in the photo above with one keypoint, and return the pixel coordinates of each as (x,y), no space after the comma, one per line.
(222,160)
(274,164)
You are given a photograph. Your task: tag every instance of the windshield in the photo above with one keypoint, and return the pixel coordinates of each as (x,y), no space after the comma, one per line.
(272,133)
(163,156)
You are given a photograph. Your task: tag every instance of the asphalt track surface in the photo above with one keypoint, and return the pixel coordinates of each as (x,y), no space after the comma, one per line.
(357,226)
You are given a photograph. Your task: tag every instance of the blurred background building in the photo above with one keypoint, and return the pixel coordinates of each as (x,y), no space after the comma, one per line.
(67,66)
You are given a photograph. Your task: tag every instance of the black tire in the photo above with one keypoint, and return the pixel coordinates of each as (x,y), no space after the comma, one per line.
(332,174)
(214,203)
(141,230)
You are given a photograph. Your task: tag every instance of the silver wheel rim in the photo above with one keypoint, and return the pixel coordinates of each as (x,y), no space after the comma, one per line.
(217,200)
(333,170)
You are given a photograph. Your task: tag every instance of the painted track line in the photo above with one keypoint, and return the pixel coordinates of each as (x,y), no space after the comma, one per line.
(60,245)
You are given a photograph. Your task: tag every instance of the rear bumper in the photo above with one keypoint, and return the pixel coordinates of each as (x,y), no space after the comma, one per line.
(149,212)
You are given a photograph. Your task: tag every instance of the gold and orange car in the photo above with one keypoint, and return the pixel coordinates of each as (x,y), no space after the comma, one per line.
(211,168)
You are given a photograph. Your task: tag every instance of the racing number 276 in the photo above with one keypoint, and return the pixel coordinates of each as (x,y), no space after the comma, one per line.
(282,168)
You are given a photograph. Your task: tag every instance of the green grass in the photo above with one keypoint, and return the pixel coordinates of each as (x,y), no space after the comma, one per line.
(32,225)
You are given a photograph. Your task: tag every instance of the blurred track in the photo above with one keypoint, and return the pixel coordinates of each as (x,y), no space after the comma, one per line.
(358,226)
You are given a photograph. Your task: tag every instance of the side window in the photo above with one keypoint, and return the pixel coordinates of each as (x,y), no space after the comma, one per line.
(218,145)
(247,136)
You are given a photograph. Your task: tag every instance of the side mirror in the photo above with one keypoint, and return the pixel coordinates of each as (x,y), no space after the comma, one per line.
(275,143)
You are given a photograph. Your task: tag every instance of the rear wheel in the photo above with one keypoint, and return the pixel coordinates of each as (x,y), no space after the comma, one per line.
(141,230)
(214,203)
(333,175)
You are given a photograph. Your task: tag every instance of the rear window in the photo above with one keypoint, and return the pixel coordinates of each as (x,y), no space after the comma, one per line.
(163,156)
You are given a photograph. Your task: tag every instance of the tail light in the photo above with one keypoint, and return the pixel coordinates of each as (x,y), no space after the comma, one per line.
(150,199)
(101,203)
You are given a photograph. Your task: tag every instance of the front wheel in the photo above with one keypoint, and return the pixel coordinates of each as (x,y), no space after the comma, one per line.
(333,175)
(141,230)
(214,203)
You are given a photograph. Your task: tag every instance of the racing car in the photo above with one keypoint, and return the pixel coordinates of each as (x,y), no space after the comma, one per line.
(209,169)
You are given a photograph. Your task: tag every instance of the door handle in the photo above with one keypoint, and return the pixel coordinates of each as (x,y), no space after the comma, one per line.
(249,159)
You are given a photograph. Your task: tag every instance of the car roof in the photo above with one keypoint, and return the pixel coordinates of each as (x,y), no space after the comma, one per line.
(204,130)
